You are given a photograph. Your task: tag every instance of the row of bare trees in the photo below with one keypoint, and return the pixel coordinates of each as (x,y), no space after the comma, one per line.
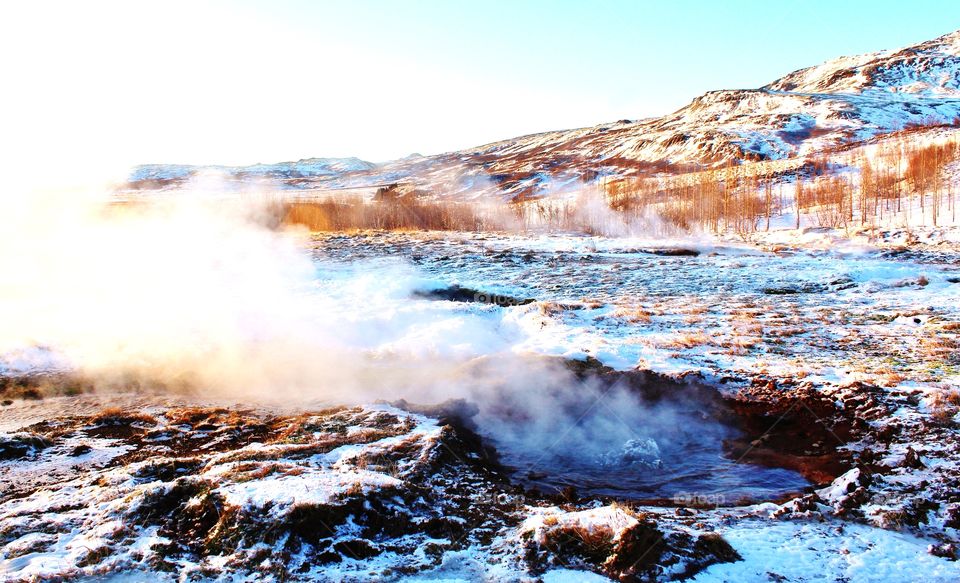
(346,213)
(898,181)
(735,197)
(902,182)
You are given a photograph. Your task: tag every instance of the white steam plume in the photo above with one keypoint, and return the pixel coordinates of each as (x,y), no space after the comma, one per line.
(204,293)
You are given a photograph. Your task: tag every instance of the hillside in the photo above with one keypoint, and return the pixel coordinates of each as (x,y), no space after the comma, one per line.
(840,102)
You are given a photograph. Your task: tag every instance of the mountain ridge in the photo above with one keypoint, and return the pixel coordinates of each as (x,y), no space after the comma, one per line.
(838,102)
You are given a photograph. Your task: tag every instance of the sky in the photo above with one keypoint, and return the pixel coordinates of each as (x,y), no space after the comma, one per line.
(99,84)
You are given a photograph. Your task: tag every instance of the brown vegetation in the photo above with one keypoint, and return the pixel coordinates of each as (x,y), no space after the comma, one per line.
(848,191)
(353,213)
(945,404)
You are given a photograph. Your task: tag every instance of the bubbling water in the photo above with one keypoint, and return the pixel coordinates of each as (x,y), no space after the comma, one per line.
(629,435)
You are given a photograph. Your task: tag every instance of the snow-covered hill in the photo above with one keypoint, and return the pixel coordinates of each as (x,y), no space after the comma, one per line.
(306,168)
(928,69)
(839,102)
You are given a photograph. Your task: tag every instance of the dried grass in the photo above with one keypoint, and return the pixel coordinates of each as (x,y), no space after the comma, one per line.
(945,404)
(685,340)
(634,315)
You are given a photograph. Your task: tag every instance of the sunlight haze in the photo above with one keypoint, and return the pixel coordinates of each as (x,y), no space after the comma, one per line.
(480,291)
(247,82)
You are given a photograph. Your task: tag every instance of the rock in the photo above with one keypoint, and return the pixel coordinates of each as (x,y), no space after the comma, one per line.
(22,445)
(455,293)
(569,494)
(80,450)
(847,491)
(804,506)
(912,460)
(945,550)
(638,548)
(797,288)
(952,516)
(672,252)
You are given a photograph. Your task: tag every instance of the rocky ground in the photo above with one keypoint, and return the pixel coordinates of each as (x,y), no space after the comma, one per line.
(837,364)
(346,493)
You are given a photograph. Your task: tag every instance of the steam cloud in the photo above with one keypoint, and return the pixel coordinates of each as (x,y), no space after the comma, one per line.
(202,292)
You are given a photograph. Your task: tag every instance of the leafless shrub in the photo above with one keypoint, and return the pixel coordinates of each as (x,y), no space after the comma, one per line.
(634,315)
(685,340)
(945,404)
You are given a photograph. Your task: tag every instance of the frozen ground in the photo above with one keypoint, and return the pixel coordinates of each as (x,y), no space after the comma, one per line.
(858,340)
(848,312)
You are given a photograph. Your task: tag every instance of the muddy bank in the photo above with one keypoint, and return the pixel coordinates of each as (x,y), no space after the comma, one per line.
(390,490)
(350,493)
(765,425)
(766,442)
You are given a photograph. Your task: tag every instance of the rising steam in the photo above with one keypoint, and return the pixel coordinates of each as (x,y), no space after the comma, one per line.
(203,292)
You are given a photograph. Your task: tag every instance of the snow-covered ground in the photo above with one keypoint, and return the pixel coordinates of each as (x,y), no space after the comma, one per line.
(731,308)
(869,327)
(186,395)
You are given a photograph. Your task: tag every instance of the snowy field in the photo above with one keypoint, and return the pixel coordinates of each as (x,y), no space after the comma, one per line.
(717,345)
(373,458)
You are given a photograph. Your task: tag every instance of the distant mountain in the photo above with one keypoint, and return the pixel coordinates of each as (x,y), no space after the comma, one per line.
(929,69)
(306,168)
(839,102)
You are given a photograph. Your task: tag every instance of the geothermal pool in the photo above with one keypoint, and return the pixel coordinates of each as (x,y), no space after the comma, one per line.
(721,311)
(328,404)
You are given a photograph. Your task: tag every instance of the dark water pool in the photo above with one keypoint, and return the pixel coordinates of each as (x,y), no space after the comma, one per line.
(685,473)
(641,437)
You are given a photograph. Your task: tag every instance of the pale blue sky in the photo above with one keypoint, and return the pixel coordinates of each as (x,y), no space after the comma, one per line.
(643,58)
(259,81)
